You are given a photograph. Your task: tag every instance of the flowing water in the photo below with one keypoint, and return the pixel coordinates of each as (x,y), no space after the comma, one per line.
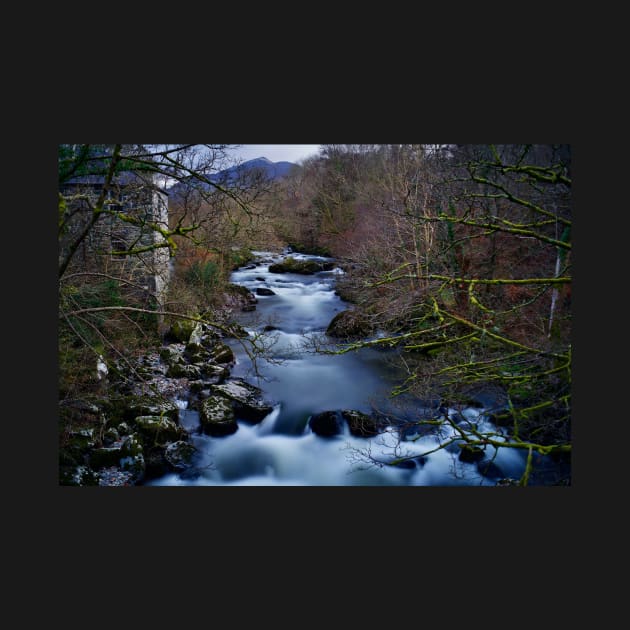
(282,449)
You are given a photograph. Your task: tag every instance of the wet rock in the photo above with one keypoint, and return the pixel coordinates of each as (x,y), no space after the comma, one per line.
(78,476)
(155,463)
(132,459)
(217,416)
(172,354)
(247,399)
(469,453)
(348,324)
(360,424)
(302,267)
(106,456)
(184,330)
(179,455)
(157,430)
(326,423)
(222,353)
(184,371)
(135,406)
(196,352)
(110,436)
(264,291)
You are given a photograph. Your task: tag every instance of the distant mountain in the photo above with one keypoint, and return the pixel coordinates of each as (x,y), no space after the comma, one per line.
(268,169)
(247,172)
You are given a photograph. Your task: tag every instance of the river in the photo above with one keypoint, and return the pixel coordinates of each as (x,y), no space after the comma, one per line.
(282,449)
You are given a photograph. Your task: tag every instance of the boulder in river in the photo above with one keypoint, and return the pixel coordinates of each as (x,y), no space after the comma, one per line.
(264,291)
(326,423)
(133,457)
(302,267)
(470,453)
(217,416)
(135,406)
(360,424)
(156,430)
(179,455)
(222,353)
(247,399)
(348,324)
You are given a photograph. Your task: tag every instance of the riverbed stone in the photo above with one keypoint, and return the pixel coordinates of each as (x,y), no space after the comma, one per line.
(264,291)
(179,455)
(106,456)
(470,453)
(185,330)
(172,354)
(184,371)
(132,459)
(222,353)
(158,430)
(196,352)
(360,424)
(349,324)
(80,475)
(216,416)
(302,267)
(135,406)
(247,399)
(326,423)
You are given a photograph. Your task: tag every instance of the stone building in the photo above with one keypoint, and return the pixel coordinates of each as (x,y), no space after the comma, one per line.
(122,242)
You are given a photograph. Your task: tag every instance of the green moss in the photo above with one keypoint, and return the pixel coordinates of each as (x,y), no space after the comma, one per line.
(241,257)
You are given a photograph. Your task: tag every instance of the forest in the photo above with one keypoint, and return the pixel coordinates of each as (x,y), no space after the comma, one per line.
(449,265)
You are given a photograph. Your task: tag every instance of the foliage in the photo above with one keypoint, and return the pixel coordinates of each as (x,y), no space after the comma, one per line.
(463,253)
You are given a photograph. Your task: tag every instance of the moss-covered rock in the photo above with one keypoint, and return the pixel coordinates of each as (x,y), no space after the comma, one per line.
(158,430)
(172,355)
(470,453)
(155,464)
(213,374)
(360,424)
(247,399)
(184,371)
(196,352)
(179,455)
(78,476)
(110,436)
(326,423)
(134,406)
(132,459)
(222,353)
(216,416)
(302,267)
(106,456)
(348,324)
(197,386)
(123,429)
(184,330)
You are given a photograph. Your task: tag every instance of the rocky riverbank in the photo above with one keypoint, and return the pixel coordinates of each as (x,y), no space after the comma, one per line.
(131,431)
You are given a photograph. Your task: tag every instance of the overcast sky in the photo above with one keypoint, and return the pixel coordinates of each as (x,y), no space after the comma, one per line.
(277,152)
